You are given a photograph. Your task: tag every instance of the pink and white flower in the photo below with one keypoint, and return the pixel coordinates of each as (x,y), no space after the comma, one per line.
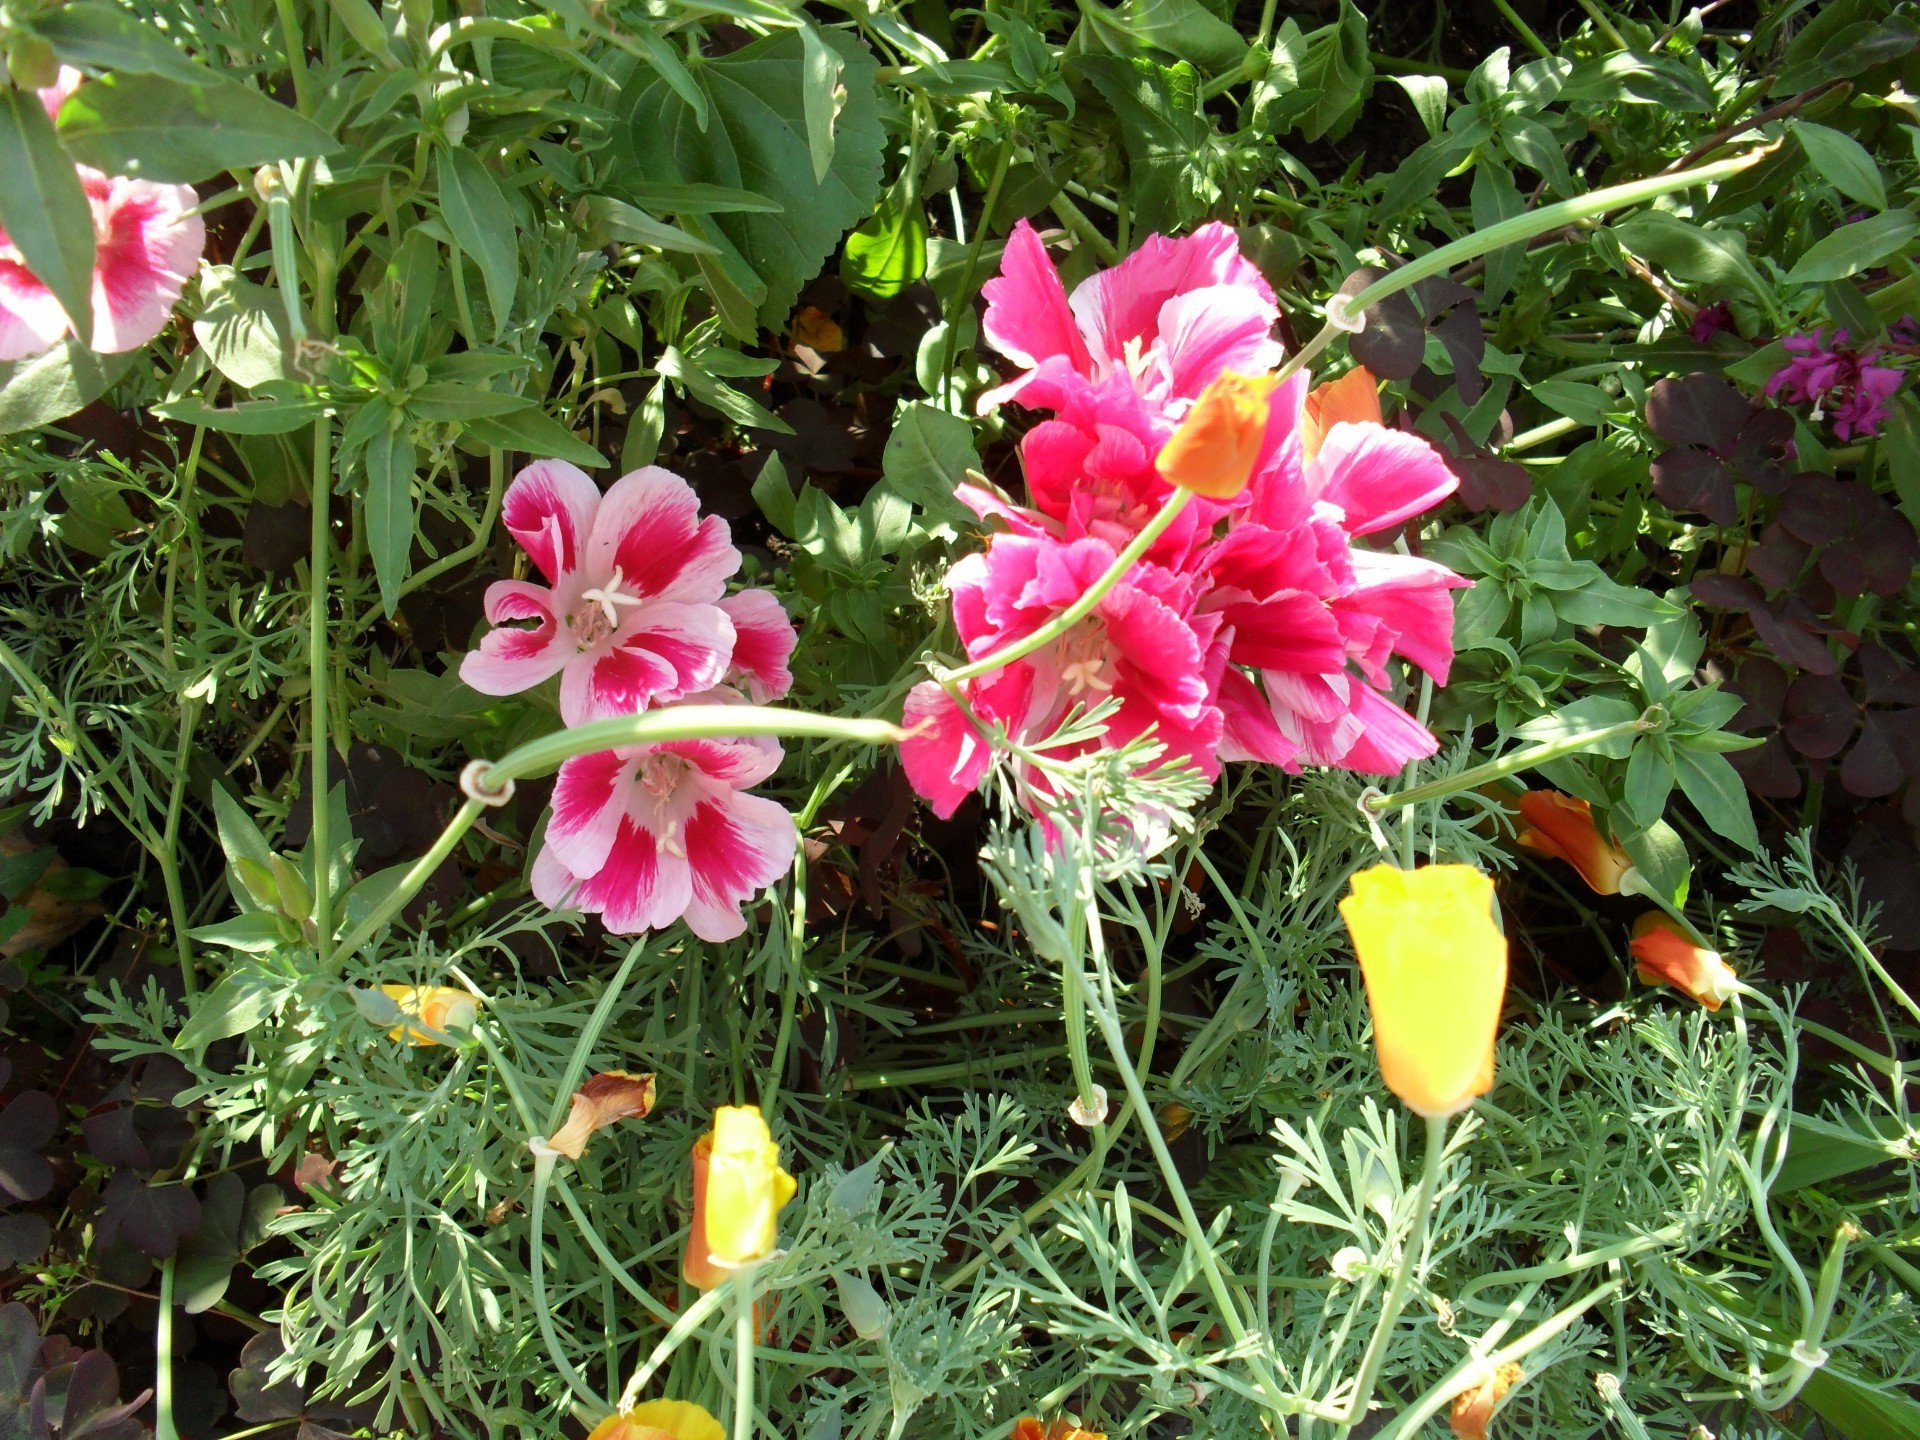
(147,245)
(1142,646)
(763,641)
(646,835)
(633,615)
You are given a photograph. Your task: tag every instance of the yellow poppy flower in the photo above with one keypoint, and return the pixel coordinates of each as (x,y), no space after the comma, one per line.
(437,1007)
(1435,965)
(1216,447)
(659,1420)
(742,1195)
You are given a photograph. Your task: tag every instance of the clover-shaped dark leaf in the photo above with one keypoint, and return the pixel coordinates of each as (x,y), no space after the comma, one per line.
(1869,547)
(204,1266)
(23,1239)
(1796,634)
(1689,479)
(259,1399)
(19,1368)
(1820,715)
(1725,592)
(1780,557)
(1769,770)
(1393,342)
(1486,481)
(86,1394)
(1716,436)
(26,1125)
(1699,409)
(151,1218)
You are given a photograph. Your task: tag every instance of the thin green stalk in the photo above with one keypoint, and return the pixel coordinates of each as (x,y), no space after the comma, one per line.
(963,292)
(168,854)
(1523,30)
(743,1341)
(1081,608)
(1376,1353)
(318,662)
(163,1425)
(1512,763)
(537,1262)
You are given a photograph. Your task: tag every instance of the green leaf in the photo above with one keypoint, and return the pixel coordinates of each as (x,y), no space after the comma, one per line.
(1335,75)
(163,129)
(1649,781)
(1855,1410)
(1693,253)
(1593,712)
(102,37)
(1186,30)
(757,141)
(254,933)
(482,225)
(636,227)
(389,511)
(1718,793)
(1660,855)
(1162,129)
(773,493)
(275,415)
(241,1001)
(44,208)
(446,402)
(532,433)
(928,453)
(240,839)
(46,387)
(888,252)
(820,80)
(1853,248)
(1429,96)
(240,327)
(1843,162)
(693,375)
(1903,456)
(699,199)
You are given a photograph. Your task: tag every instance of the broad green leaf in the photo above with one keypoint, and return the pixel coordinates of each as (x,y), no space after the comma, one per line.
(1843,162)
(1819,1150)
(773,493)
(482,225)
(1429,96)
(928,453)
(1186,30)
(1851,1408)
(44,207)
(1649,781)
(1852,248)
(1903,456)
(699,199)
(240,839)
(1162,129)
(636,227)
(757,141)
(447,402)
(1594,712)
(255,933)
(531,433)
(888,252)
(695,378)
(1693,253)
(389,511)
(272,416)
(46,387)
(234,1006)
(1718,793)
(1335,75)
(105,37)
(166,130)
(363,23)
(240,328)
(1660,855)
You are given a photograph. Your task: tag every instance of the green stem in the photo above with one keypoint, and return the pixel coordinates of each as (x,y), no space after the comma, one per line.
(318,660)
(168,856)
(163,1426)
(1523,30)
(1513,763)
(963,292)
(743,1342)
(537,1261)
(1071,616)
(1376,1354)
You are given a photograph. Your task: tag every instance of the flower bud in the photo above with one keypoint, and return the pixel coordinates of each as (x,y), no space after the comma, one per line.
(1562,826)
(1663,956)
(1216,447)
(738,1191)
(437,1009)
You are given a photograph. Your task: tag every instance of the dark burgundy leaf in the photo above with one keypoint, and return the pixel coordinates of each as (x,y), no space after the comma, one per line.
(26,1125)
(1877,561)
(1759,456)
(93,1406)
(112,1139)
(1794,638)
(1725,592)
(1776,562)
(1816,509)
(1697,409)
(255,1399)
(19,1365)
(23,1239)
(1901,729)
(1763,685)
(1489,484)
(1465,341)
(1871,769)
(1820,716)
(1769,771)
(1690,479)
(1889,680)
(275,538)
(151,1218)
(1394,342)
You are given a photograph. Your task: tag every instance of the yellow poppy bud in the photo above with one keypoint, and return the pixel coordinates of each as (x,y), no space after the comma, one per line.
(1435,965)
(745,1187)
(438,1008)
(659,1420)
(1216,447)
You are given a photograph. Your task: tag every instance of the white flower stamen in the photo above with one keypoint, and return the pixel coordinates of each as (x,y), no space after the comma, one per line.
(610,597)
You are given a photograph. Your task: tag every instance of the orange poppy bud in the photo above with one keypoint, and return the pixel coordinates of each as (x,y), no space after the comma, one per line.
(1473,1409)
(659,1420)
(1562,826)
(1663,956)
(1354,398)
(439,1009)
(597,1104)
(1435,965)
(1027,1427)
(1214,450)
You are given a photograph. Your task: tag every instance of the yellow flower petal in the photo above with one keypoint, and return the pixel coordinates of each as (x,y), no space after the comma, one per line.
(438,1008)
(660,1420)
(1435,965)
(745,1188)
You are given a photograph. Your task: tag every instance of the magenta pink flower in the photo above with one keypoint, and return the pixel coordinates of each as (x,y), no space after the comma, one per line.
(646,835)
(1143,646)
(633,616)
(146,248)
(1169,318)
(1841,384)
(763,641)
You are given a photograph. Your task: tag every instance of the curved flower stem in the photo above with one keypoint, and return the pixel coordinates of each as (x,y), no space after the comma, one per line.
(1081,608)
(743,1344)
(1356,1406)
(537,757)
(1513,763)
(318,659)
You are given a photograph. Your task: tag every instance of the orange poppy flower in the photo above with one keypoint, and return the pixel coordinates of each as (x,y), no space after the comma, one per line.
(1435,965)
(1664,956)
(659,1420)
(1354,398)
(1562,826)
(1216,447)
(1473,1409)
(439,1009)
(1027,1427)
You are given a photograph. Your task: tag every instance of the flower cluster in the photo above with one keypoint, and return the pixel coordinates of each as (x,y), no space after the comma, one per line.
(1253,627)
(1843,385)
(634,615)
(147,244)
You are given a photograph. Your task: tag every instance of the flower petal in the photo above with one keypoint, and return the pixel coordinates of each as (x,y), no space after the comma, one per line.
(1249,731)
(509,659)
(945,757)
(737,845)
(1218,327)
(1379,477)
(649,527)
(590,797)
(1027,318)
(549,509)
(763,641)
(1389,736)
(662,651)
(147,248)
(31,320)
(1124,303)
(1409,596)
(639,888)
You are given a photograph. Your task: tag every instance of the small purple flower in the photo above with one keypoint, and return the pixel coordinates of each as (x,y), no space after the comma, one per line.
(1841,384)
(1710,320)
